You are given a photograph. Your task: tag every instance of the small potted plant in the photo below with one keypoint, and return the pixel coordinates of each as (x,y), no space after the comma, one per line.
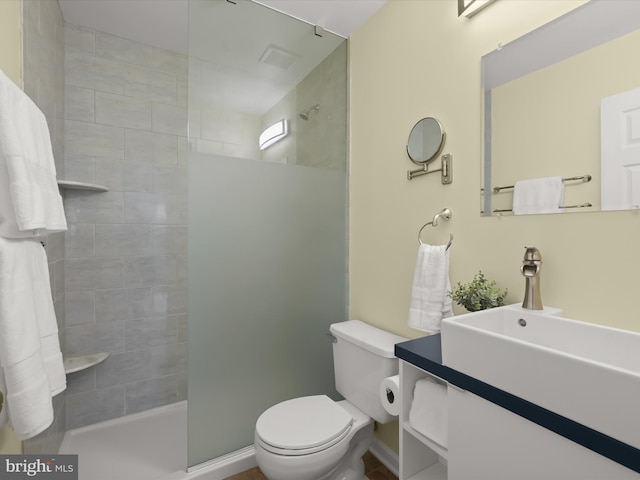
(478,294)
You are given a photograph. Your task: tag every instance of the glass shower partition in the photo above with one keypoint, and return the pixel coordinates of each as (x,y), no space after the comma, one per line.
(267,216)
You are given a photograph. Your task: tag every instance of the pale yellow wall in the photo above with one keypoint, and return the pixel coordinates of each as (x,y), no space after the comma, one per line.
(10,58)
(9,443)
(10,43)
(416,59)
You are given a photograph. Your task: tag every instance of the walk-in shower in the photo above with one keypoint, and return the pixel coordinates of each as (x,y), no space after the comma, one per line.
(267,228)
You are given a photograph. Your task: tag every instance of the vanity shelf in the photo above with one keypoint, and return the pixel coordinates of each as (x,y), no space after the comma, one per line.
(77,364)
(437,471)
(71,185)
(425,440)
(421,458)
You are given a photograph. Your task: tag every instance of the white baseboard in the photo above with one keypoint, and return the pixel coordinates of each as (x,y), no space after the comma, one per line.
(245,459)
(387,457)
(225,466)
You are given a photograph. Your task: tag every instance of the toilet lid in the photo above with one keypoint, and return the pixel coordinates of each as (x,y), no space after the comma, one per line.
(303,423)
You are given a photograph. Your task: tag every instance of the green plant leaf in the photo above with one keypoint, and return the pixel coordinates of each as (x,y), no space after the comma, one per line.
(479,294)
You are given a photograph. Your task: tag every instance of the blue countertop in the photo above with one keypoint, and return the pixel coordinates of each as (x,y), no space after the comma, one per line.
(426,353)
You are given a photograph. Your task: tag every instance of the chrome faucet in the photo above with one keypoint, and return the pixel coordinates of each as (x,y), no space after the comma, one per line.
(531,265)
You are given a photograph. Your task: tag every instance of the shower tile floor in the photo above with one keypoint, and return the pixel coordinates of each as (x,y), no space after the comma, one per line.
(373,468)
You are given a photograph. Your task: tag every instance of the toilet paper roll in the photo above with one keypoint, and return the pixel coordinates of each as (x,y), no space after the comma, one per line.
(390,395)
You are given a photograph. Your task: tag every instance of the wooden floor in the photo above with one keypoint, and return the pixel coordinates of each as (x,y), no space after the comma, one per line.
(372,468)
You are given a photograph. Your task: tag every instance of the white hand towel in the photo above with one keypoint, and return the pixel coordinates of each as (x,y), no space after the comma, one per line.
(429,410)
(30,202)
(538,195)
(32,367)
(430,301)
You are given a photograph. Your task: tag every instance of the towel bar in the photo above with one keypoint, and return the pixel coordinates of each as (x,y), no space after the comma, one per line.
(584,178)
(582,205)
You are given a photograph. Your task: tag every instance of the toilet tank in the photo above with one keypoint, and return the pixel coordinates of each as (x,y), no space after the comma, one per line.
(363,356)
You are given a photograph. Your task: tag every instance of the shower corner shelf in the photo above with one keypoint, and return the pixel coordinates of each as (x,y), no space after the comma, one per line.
(77,364)
(71,185)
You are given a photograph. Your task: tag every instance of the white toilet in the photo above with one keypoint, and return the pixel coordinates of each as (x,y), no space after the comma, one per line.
(316,438)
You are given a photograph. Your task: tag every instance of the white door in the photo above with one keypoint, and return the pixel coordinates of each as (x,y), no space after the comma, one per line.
(620,155)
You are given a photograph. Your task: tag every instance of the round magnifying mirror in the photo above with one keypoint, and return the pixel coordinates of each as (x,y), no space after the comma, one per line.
(425,141)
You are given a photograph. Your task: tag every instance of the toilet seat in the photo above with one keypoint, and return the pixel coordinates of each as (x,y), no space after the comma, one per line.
(303,425)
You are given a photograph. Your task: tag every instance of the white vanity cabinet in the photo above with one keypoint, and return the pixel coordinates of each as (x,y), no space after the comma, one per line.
(488,442)
(421,458)
(493,435)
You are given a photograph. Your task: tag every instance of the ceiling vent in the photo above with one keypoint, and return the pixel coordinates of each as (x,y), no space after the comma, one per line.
(277,57)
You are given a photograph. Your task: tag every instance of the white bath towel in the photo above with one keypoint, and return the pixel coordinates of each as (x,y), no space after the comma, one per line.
(430,302)
(30,202)
(538,195)
(32,366)
(429,410)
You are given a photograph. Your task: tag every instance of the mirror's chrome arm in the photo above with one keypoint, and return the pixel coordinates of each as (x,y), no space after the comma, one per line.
(446,170)
(419,171)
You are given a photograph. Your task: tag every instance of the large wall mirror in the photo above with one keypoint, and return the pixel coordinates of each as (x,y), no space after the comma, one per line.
(546,98)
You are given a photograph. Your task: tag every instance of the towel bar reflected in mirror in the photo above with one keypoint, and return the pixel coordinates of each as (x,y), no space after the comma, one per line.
(584,178)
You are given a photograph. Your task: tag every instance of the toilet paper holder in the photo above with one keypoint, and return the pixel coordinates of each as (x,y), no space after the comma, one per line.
(390,395)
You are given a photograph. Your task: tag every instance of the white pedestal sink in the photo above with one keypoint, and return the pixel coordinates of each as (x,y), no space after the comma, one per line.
(585,372)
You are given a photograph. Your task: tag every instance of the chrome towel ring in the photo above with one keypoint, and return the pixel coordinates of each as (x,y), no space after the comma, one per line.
(445,214)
